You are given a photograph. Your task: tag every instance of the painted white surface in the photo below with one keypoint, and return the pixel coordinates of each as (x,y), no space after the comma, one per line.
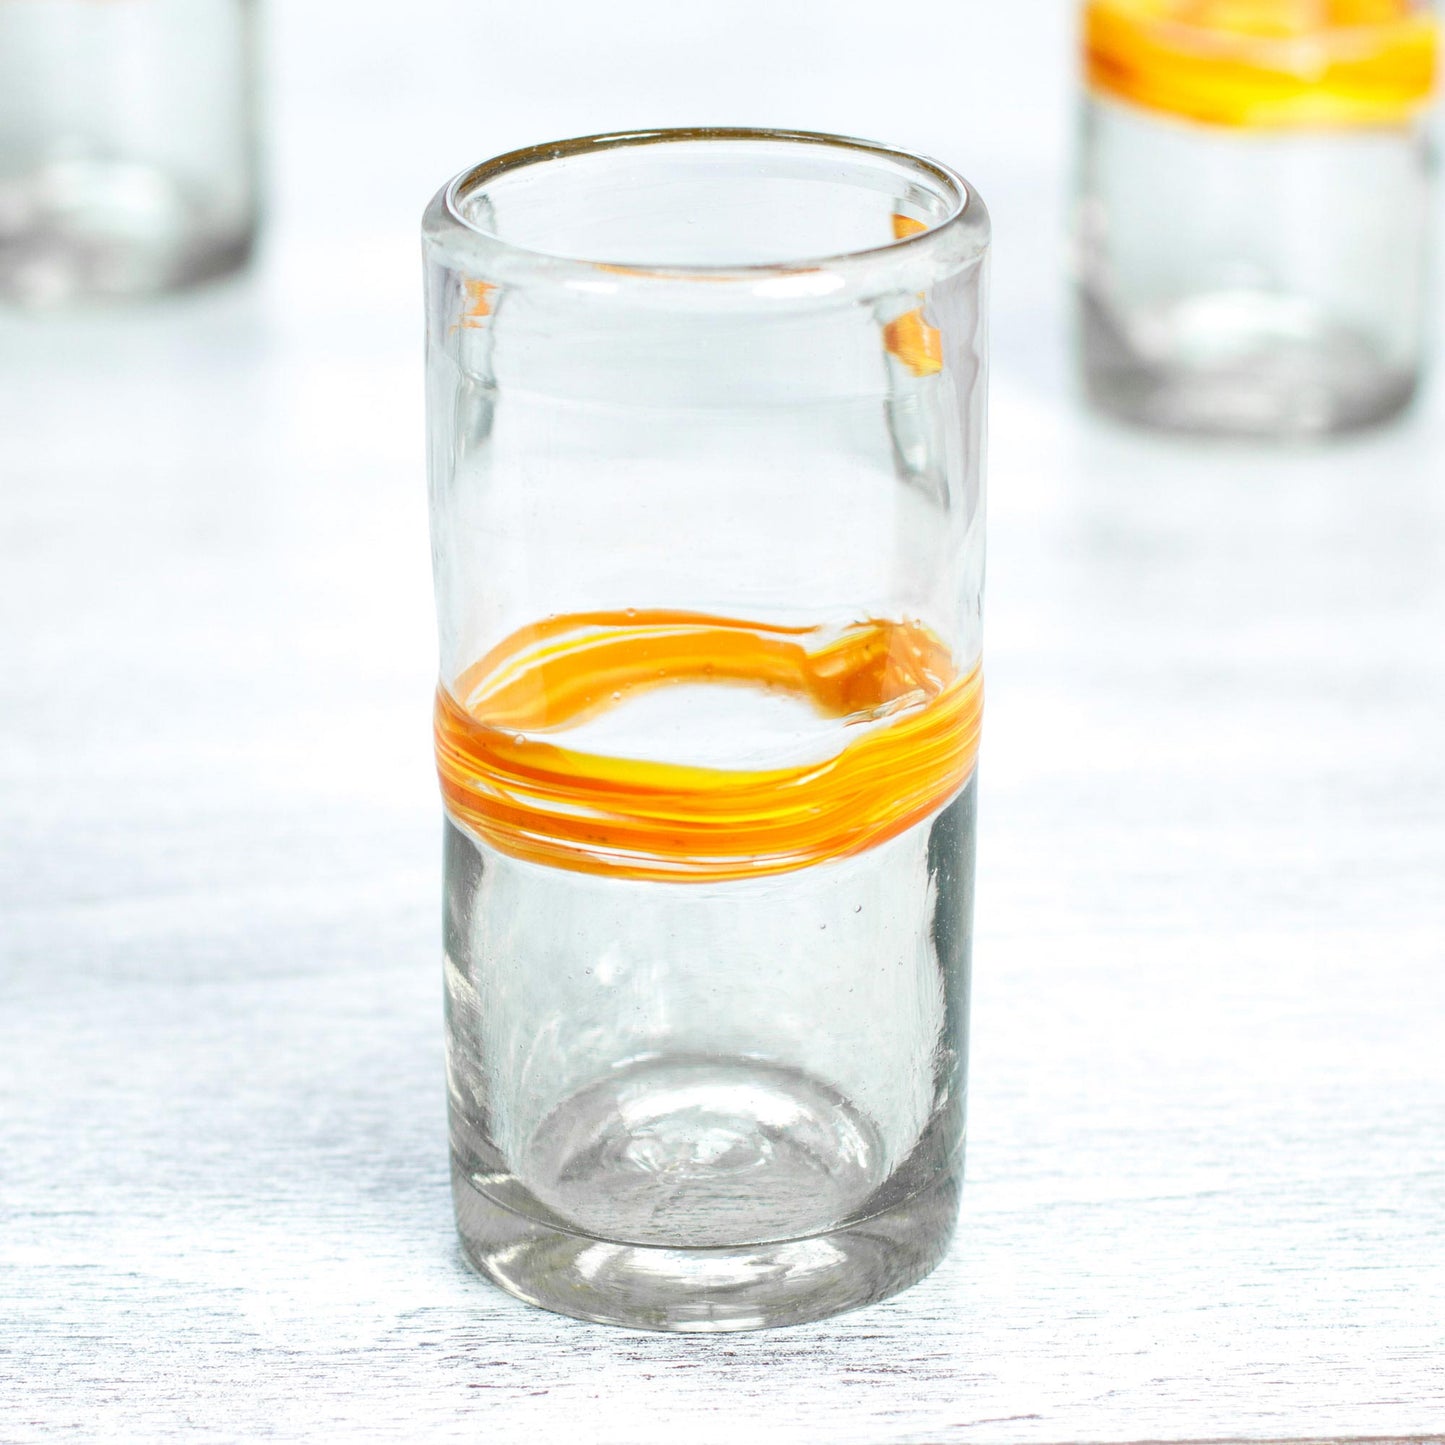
(1207,1169)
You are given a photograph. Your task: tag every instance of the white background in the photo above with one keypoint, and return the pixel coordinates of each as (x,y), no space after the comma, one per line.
(1206,1187)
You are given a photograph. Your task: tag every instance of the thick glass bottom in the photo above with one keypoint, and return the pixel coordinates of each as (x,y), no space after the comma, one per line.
(75,230)
(685,1194)
(1242,365)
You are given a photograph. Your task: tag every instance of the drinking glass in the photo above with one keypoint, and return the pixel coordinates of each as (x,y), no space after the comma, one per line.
(1254,211)
(127,145)
(706,424)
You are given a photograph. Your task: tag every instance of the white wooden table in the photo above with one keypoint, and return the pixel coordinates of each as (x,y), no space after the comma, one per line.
(1206,1192)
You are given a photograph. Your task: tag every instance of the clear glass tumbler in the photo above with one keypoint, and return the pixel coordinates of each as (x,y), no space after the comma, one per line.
(706,422)
(1254,207)
(127,145)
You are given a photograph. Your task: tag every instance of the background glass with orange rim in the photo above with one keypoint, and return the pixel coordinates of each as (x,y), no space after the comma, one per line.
(1254,209)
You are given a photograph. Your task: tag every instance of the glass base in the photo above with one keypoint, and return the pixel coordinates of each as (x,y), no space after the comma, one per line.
(1242,365)
(79,230)
(640,1186)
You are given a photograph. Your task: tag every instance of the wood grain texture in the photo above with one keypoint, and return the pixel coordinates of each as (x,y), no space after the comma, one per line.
(1206,1183)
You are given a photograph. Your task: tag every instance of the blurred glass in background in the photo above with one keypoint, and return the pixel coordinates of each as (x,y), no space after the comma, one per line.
(1254,207)
(127,145)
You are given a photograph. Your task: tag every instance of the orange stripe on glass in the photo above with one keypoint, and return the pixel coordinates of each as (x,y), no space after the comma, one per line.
(1264,64)
(911,739)
(478,304)
(904,226)
(915,343)
(909,337)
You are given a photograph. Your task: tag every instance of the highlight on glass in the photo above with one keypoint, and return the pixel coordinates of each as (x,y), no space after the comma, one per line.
(1254,205)
(706,424)
(127,146)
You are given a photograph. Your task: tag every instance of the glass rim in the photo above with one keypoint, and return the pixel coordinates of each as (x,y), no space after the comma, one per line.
(959,237)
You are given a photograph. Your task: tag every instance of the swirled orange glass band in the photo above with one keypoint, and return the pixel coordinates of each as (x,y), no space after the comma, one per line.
(909,728)
(1265,64)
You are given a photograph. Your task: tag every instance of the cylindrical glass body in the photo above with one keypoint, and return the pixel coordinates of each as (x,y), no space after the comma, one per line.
(1254,211)
(127,145)
(706,415)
